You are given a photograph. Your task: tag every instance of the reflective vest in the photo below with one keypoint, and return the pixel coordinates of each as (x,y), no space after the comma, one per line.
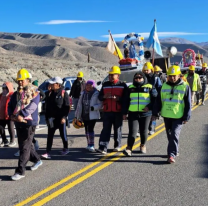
(172,100)
(139,100)
(194,87)
(110,104)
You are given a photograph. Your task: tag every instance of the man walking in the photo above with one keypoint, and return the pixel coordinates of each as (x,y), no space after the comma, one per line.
(26,119)
(174,103)
(77,87)
(112,93)
(194,82)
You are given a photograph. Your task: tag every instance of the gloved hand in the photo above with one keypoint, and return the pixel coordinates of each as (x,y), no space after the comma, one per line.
(92,109)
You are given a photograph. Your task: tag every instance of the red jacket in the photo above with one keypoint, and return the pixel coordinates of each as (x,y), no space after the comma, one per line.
(110,104)
(11,91)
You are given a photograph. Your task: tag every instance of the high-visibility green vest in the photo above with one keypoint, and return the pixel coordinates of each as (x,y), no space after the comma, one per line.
(173,104)
(194,87)
(139,100)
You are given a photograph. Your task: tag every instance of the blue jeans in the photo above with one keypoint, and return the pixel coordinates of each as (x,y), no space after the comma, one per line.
(173,128)
(110,119)
(75,103)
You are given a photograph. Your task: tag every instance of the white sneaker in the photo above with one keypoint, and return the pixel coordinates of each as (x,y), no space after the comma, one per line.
(36,165)
(17,177)
(36,145)
(117,149)
(91,149)
(17,154)
(151,132)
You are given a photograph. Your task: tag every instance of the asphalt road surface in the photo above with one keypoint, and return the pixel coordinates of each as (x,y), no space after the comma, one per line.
(82,178)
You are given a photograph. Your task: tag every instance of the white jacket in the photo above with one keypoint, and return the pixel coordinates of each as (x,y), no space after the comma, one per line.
(94,102)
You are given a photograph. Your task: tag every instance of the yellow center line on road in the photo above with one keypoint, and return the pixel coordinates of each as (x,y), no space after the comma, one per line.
(35,196)
(89,174)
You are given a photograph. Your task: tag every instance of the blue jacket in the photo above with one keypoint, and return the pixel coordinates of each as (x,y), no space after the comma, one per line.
(156,82)
(31,109)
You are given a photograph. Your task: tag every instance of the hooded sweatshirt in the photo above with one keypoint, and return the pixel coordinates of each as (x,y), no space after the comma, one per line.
(4,101)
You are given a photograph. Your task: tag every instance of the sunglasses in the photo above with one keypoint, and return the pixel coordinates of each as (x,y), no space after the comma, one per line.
(138,77)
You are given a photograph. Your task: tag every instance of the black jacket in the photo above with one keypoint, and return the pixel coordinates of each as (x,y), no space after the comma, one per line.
(76,89)
(42,94)
(57,104)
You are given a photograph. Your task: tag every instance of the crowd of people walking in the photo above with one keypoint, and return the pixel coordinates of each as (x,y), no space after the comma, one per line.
(150,96)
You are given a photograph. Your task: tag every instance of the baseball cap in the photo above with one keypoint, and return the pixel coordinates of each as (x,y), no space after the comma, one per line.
(55,80)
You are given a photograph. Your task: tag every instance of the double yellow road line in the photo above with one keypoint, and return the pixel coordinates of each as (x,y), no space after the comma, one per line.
(84,176)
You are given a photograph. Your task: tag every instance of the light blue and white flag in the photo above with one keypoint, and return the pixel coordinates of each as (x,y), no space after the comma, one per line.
(154,41)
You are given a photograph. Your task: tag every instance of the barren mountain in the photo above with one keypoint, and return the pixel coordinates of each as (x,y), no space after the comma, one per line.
(46,55)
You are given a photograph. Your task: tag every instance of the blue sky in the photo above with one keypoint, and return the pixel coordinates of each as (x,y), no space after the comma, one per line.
(185,17)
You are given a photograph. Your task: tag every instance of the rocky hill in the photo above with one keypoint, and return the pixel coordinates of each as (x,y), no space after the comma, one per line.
(47,55)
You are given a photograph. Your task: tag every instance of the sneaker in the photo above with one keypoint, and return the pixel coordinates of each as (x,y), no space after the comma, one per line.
(64,152)
(177,155)
(87,148)
(6,143)
(3,144)
(101,151)
(36,165)
(151,132)
(91,149)
(197,102)
(202,103)
(138,134)
(171,160)
(46,156)
(117,149)
(143,149)
(36,145)
(127,152)
(17,154)
(12,144)
(17,177)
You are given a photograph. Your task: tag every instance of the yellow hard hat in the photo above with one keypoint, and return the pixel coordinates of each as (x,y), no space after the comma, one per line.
(80,74)
(174,70)
(22,74)
(77,123)
(192,68)
(115,70)
(157,69)
(148,66)
(204,64)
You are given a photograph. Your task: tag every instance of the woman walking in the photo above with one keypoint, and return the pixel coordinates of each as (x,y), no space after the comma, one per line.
(139,101)
(88,111)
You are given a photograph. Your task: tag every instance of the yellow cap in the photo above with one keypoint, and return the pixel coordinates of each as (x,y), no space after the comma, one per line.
(22,74)
(204,64)
(174,70)
(148,66)
(157,69)
(192,68)
(115,70)
(80,74)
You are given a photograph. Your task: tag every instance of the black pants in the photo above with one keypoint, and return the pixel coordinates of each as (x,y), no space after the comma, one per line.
(51,132)
(89,131)
(10,125)
(26,148)
(203,93)
(136,122)
(110,119)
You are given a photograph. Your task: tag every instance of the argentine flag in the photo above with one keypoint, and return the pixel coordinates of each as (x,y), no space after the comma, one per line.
(154,41)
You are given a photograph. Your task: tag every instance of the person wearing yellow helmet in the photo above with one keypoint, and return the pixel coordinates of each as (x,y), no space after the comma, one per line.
(174,104)
(194,82)
(154,80)
(77,87)
(25,128)
(112,96)
(158,72)
(203,77)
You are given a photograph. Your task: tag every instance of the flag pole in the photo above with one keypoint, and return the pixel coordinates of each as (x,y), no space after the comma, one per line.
(113,41)
(153,51)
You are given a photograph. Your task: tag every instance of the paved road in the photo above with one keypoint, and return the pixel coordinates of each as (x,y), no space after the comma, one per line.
(82,178)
